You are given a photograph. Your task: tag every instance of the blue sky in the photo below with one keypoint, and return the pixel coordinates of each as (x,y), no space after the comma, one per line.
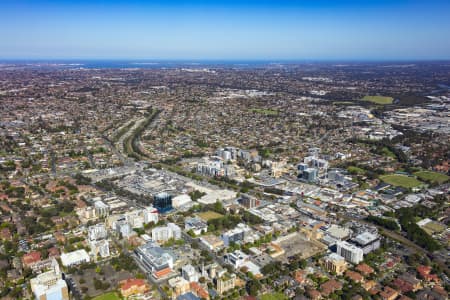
(259,30)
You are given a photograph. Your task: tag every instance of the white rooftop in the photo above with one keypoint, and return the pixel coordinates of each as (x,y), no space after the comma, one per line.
(74,257)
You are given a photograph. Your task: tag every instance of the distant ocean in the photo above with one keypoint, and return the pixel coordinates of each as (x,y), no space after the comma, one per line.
(144,64)
(198,64)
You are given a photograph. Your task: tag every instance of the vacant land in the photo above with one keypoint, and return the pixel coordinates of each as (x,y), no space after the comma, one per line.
(108,296)
(209,215)
(433,177)
(378,99)
(401,180)
(274,296)
(267,112)
(296,243)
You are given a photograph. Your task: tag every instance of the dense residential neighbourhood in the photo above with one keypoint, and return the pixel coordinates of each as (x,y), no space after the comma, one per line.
(267,181)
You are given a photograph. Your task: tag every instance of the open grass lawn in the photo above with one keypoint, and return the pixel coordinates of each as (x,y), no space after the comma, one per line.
(433,227)
(401,180)
(209,215)
(343,103)
(433,177)
(378,99)
(108,296)
(267,112)
(356,170)
(274,296)
(388,153)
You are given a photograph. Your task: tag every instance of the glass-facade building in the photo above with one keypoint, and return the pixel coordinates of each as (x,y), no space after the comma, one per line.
(163,202)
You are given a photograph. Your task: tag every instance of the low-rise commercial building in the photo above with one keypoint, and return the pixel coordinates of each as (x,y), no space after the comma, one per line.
(197,225)
(155,259)
(335,263)
(225,283)
(75,258)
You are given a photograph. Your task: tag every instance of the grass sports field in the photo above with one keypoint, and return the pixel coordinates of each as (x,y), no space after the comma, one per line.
(274,296)
(267,112)
(343,103)
(209,215)
(379,99)
(401,180)
(108,296)
(433,177)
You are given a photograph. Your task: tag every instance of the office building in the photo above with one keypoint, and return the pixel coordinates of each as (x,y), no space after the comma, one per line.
(309,174)
(50,285)
(100,248)
(164,233)
(155,259)
(248,201)
(367,241)
(123,228)
(97,232)
(302,167)
(234,235)
(101,209)
(150,214)
(335,263)
(189,273)
(350,252)
(236,258)
(163,202)
(336,175)
(135,218)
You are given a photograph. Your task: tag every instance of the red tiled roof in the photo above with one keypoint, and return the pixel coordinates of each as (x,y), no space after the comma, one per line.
(128,283)
(330,286)
(31,258)
(388,292)
(162,273)
(355,276)
(365,269)
(314,294)
(423,269)
(403,285)
(199,290)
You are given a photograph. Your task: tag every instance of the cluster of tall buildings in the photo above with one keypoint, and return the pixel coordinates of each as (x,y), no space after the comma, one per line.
(215,166)
(312,166)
